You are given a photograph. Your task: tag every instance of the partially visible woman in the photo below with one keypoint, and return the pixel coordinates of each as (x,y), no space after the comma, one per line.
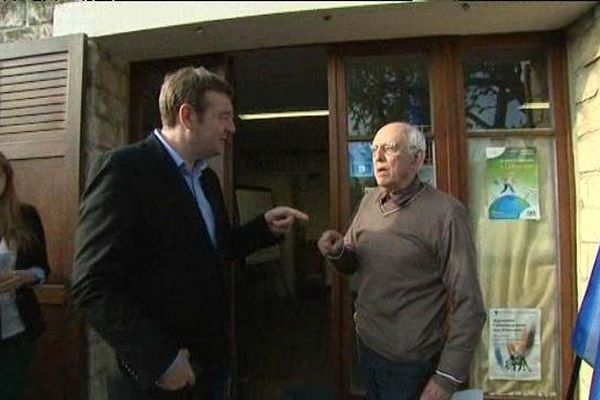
(23,265)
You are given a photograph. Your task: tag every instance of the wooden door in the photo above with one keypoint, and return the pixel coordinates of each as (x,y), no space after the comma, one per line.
(40,127)
(367,83)
(361,80)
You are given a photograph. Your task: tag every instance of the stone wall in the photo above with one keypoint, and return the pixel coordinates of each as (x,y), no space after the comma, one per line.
(106,104)
(583,52)
(26,20)
(105,120)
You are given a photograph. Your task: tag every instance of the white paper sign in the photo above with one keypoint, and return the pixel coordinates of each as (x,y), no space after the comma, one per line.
(471,394)
(515,351)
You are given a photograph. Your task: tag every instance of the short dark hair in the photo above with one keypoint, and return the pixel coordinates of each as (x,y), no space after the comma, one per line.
(188,85)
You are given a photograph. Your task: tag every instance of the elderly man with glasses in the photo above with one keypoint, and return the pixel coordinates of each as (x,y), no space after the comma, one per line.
(419,310)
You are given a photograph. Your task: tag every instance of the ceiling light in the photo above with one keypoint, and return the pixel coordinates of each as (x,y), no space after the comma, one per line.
(284,114)
(535,106)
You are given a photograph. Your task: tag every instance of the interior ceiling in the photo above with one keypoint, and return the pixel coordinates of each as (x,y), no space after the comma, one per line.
(281,79)
(402,20)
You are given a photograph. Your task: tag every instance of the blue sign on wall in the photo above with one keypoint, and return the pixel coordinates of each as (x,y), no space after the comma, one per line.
(359,158)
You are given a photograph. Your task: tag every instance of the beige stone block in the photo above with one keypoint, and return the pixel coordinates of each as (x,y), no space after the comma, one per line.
(27,33)
(586,83)
(93,57)
(108,107)
(588,153)
(589,190)
(108,79)
(20,34)
(590,228)
(585,381)
(586,117)
(44,30)
(39,12)
(101,133)
(12,14)
(586,263)
(582,44)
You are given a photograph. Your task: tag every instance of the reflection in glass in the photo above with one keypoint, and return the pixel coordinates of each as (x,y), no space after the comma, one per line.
(518,262)
(507,92)
(387,88)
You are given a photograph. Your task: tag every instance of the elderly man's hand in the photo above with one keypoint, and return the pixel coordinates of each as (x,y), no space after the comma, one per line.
(330,244)
(281,219)
(433,391)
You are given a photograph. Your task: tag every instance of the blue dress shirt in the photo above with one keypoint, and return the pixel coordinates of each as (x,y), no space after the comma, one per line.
(192,178)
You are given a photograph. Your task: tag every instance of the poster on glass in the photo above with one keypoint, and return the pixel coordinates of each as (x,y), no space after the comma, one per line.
(515,347)
(512,183)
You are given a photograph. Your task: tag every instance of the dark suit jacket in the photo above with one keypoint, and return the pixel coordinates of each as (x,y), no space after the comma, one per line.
(146,275)
(29,256)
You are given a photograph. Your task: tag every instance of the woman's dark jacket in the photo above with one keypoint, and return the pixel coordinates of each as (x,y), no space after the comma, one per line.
(31,255)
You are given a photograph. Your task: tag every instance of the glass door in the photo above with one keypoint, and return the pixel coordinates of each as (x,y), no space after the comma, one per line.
(373,89)
(511,134)
(494,112)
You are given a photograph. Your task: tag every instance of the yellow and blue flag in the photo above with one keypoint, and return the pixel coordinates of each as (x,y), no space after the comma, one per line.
(586,336)
(595,390)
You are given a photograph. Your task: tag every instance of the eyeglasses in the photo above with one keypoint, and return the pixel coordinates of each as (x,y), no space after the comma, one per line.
(389,148)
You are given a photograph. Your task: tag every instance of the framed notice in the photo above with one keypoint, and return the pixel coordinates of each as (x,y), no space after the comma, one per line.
(252,202)
(515,346)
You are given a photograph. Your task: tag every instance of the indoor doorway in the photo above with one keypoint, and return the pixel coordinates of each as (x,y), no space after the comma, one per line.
(282,295)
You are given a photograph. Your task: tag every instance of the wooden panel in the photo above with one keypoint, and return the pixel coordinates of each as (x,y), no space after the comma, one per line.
(32,85)
(32,94)
(52,294)
(566,210)
(337,352)
(44,126)
(32,119)
(41,182)
(39,76)
(59,65)
(40,134)
(33,144)
(35,102)
(15,112)
(33,60)
(55,344)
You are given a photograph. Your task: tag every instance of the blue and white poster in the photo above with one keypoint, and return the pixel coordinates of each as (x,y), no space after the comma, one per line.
(512,183)
(360,160)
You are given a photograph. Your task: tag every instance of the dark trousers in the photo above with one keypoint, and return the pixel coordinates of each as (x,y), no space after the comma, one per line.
(16,354)
(209,386)
(388,380)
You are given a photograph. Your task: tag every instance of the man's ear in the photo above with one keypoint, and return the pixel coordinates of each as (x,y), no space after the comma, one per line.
(185,115)
(419,158)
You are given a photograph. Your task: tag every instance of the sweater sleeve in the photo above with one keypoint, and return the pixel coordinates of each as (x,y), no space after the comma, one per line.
(466,309)
(347,262)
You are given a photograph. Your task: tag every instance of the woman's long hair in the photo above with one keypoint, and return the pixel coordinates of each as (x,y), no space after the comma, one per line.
(12,227)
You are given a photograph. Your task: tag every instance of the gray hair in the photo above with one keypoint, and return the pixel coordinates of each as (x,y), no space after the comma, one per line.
(415,139)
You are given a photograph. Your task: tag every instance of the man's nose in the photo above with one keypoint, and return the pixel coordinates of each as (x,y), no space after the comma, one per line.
(379,155)
(231,127)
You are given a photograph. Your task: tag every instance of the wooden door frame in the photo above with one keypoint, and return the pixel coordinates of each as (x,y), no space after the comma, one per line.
(449,126)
